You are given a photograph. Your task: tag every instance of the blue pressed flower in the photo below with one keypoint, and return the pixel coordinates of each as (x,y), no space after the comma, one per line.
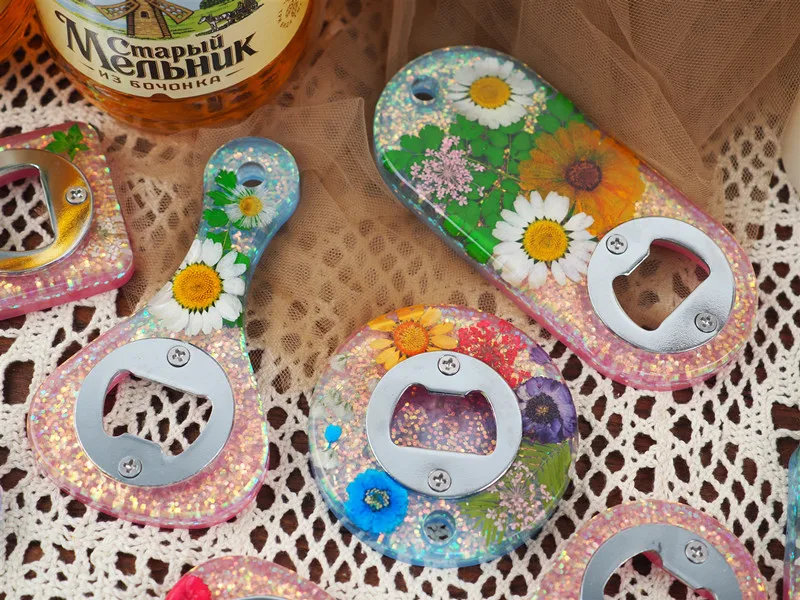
(548,414)
(333,433)
(376,503)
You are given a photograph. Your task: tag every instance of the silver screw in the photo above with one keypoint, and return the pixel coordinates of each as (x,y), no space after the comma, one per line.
(130,467)
(449,365)
(178,356)
(77,195)
(616,244)
(696,551)
(439,480)
(705,322)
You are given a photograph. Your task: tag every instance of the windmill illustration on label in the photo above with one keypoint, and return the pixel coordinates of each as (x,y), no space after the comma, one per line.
(146,18)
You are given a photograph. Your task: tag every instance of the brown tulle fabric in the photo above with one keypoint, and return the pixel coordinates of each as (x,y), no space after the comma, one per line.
(675,81)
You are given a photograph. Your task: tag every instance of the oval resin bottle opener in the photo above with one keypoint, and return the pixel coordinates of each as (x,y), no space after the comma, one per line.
(442,436)
(89,252)
(791,574)
(551,210)
(189,337)
(690,545)
(244,578)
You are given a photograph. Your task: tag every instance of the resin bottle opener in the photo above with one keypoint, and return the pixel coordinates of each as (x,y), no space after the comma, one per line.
(89,252)
(791,571)
(442,436)
(244,578)
(687,543)
(510,175)
(189,337)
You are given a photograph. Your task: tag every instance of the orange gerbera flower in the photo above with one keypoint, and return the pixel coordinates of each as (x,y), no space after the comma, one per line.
(598,175)
(417,329)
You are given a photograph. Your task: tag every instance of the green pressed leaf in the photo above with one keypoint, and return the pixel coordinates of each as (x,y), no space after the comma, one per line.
(513,167)
(514,127)
(548,122)
(478,147)
(74,133)
(431,136)
(464,128)
(491,220)
(561,107)
(520,155)
(242,259)
(484,179)
(220,198)
(216,218)
(412,144)
(508,200)
(550,462)
(226,179)
(495,156)
(476,508)
(492,204)
(474,195)
(452,227)
(465,216)
(56,147)
(522,141)
(222,237)
(509,185)
(481,244)
(398,160)
(498,138)
(60,136)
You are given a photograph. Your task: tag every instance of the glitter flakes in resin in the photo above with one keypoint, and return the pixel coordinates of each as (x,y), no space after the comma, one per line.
(237,577)
(515,179)
(791,575)
(192,325)
(381,458)
(690,544)
(101,261)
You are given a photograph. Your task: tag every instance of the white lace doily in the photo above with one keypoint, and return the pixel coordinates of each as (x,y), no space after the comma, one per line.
(722,447)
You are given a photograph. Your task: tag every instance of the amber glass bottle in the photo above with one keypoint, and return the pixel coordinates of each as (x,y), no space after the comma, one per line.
(168,66)
(13,15)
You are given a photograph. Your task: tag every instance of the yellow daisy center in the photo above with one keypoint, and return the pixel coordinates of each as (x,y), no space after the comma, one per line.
(250,205)
(489,92)
(545,240)
(197,287)
(410,338)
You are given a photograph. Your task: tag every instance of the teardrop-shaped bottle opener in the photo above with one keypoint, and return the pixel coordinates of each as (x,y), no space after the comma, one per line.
(243,578)
(189,337)
(791,561)
(508,173)
(442,436)
(690,545)
(90,252)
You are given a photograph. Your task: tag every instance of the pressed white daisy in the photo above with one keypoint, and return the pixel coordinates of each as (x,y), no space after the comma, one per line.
(250,209)
(536,238)
(492,93)
(203,292)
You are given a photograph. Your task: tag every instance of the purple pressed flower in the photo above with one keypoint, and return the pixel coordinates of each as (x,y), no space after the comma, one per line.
(539,356)
(444,172)
(548,414)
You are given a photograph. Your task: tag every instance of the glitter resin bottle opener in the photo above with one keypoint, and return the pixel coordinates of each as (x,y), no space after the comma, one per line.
(687,543)
(244,578)
(89,252)
(508,173)
(189,337)
(442,436)
(791,574)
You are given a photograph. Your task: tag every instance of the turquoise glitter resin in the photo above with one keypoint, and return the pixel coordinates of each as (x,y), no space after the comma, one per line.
(791,575)
(471,421)
(251,189)
(510,175)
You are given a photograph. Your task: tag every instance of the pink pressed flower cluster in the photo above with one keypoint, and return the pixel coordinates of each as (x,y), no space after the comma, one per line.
(444,172)
(519,500)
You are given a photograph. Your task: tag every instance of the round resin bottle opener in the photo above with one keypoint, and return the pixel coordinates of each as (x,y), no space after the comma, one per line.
(687,543)
(510,175)
(442,436)
(89,252)
(189,337)
(244,578)
(791,561)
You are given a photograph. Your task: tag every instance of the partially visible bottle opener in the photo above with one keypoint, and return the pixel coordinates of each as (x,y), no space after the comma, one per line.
(791,560)
(693,547)
(243,578)
(442,436)
(90,252)
(190,336)
(510,175)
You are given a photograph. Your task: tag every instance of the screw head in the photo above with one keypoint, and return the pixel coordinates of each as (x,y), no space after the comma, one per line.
(696,551)
(77,194)
(705,322)
(439,480)
(178,356)
(449,365)
(130,467)
(616,244)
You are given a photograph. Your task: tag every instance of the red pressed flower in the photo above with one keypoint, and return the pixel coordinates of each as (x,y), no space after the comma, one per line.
(496,345)
(190,588)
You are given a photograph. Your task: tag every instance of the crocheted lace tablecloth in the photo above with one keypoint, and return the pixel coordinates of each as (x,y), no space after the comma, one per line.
(722,447)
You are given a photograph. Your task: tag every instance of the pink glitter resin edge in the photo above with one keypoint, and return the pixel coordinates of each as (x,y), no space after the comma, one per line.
(564,579)
(103,261)
(234,577)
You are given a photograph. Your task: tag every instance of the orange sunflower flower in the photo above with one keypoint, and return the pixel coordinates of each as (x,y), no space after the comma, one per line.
(417,329)
(600,177)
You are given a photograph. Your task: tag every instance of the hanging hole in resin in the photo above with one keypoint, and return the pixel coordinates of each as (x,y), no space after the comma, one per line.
(439,528)
(251,174)
(424,89)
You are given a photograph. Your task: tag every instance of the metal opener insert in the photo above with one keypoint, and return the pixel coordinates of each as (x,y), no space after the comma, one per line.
(134,460)
(696,320)
(433,472)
